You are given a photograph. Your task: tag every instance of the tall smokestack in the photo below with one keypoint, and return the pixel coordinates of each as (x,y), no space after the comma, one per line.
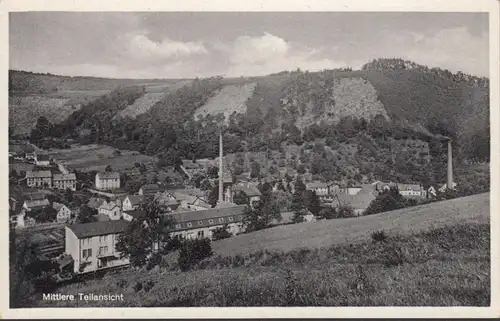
(221,171)
(449,177)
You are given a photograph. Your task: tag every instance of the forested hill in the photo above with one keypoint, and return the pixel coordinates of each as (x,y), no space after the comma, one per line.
(389,103)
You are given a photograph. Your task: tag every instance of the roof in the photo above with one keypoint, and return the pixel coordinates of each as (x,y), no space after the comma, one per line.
(38,174)
(37,203)
(314,185)
(108,175)
(98,228)
(102,217)
(187,194)
(135,199)
(95,202)
(108,206)
(208,214)
(64,177)
(165,198)
(58,206)
(249,191)
(150,188)
(42,157)
(409,187)
(136,213)
(359,201)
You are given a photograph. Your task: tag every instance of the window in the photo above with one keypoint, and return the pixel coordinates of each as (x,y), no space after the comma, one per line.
(189,225)
(177,226)
(87,253)
(102,238)
(200,234)
(200,222)
(230,218)
(221,219)
(103,250)
(211,221)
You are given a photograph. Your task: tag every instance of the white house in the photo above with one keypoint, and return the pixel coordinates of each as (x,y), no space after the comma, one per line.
(431,192)
(319,187)
(41,179)
(93,245)
(411,190)
(444,187)
(63,212)
(132,202)
(202,223)
(111,209)
(64,181)
(107,180)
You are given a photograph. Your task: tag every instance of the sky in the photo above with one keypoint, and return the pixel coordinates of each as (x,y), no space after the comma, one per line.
(231,44)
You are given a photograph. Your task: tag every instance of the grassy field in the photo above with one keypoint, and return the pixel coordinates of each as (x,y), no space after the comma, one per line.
(431,260)
(474,209)
(98,157)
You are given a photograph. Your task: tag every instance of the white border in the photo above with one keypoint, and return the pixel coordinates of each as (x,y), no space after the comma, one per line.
(490,6)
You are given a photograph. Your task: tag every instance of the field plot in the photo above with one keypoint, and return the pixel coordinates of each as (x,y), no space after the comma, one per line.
(97,157)
(230,99)
(140,106)
(24,111)
(79,96)
(326,233)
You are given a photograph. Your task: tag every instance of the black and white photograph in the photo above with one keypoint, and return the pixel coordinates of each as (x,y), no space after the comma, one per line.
(249,159)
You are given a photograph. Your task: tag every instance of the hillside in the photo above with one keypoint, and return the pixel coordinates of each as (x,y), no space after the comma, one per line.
(332,263)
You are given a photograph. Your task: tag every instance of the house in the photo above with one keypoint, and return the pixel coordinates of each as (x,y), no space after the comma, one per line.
(42,159)
(92,245)
(167,201)
(251,193)
(444,187)
(133,214)
(95,203)
(132,202)
(30,205)
(149,190)
(111,209)
(64,181)
(42,179)
(63,212)
(431,192)
(107,180)
(411,190)
(191,199)
(319,187)
(287,218)
(202,223)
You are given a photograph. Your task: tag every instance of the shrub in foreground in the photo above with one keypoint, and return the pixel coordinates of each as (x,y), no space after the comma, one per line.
(193,251)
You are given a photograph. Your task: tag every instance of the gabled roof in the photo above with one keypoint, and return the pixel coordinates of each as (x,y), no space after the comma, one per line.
(135,199)
(409,187)
(64,177)
(136,213)
(108,206)
(38,174)
(249,191)
(42,157)
(108,175)
(150,188)
(208,214)
(37,203)
(95,202)
(98,228)
(58,206)
(314,185)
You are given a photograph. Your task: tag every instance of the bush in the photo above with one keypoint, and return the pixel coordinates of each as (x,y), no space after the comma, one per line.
(149,285)
(221,233)
(122,283)
(328,213)
(379,236)
(345,211)
(192,252)
(137,287)
(298,216)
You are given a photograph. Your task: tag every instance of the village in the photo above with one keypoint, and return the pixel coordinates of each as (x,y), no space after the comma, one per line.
(81,237)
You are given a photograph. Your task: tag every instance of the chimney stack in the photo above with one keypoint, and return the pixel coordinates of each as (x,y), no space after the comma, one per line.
(221,171)
(449,177)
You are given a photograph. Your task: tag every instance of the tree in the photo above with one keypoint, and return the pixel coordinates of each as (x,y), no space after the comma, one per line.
(254,170)
(143,236)
(299,216)
(240,198)
(192,252)
(68,195)
(311,201)
(386,201)
(263,213)
(297,197)
(213,196)
(86,214)
(221,233)
(345,211)
(109,169)
(328,213)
